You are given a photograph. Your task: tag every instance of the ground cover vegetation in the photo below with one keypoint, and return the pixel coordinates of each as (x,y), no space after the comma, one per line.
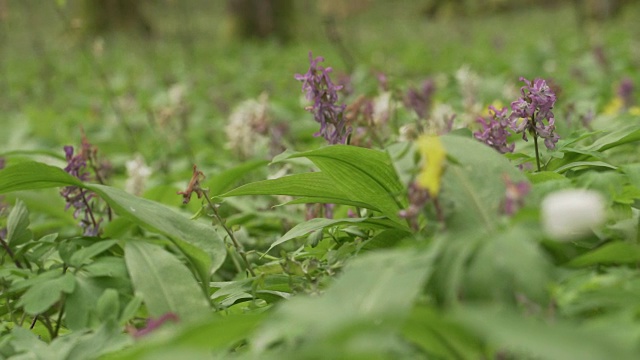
(386,184)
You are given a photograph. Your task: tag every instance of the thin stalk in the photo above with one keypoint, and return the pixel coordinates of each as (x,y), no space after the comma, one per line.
(10,252)
(236,244)
(535,142)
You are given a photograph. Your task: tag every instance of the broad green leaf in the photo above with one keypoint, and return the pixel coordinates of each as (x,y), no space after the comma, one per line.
(108,307)
(633,173)
(617,252)
(306,227)
(83,301)
(43,295)
(311,186)
(84,255)
(18,231)
(198,241)
(224,180)
(530,338)
(166,285)
(515,258)
(475,183)
(440,337)
(201,340)
(543,176)
(363,175)
(34,175)
(376,290)
(585,164)
(620,136)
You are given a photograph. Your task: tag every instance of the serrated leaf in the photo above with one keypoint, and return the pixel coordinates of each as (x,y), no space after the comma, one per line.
(165,284)
(18,231)
(43,295)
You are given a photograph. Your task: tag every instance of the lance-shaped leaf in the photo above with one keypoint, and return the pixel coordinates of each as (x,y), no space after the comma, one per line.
(199,242)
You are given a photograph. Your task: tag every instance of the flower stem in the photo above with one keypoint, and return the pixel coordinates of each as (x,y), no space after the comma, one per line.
(535,142)
(236,244)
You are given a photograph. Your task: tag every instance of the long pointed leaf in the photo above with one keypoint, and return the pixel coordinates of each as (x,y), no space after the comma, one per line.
(200,243)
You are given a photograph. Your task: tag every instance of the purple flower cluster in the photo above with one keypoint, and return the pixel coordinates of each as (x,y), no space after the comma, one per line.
(319,89)
(421,100)
(534,107)
(514,195)
(418,198)
(625,92)
(495,130)
(77,197)
(530,113)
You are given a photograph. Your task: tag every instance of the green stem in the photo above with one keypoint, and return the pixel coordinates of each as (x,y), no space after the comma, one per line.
(236,244)
(535,142)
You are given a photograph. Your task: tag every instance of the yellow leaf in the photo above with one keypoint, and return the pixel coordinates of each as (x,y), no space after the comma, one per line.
(433,155)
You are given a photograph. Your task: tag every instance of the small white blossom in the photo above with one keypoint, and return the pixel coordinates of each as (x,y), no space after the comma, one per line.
(137,175)
(248,126)
(570,214)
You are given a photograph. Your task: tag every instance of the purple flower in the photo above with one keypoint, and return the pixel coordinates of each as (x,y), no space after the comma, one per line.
(534,107)
(78,197)
(421,100)
(418,198)
(625,92)
(514,195)
(153,324)
(319,89)
(495,130)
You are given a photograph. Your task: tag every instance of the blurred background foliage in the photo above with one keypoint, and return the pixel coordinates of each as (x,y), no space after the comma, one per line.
(177,69)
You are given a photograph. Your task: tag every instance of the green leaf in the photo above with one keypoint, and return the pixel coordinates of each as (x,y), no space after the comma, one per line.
(199,242)
(475,183)
(30,175)
(222,181)
(43,295)
(544,176)
(620,136)
(306,227)
(363,175)
(617,252)
(633,173)
(529,338)
(202,339)
(18,231)
(585,164)
(84,255)
(376,290)
(440,337)
(108,307)
(165,284)
(314,186)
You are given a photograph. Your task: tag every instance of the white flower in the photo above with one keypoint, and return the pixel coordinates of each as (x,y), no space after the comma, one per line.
(138,173)
(247,127)
(570,214)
